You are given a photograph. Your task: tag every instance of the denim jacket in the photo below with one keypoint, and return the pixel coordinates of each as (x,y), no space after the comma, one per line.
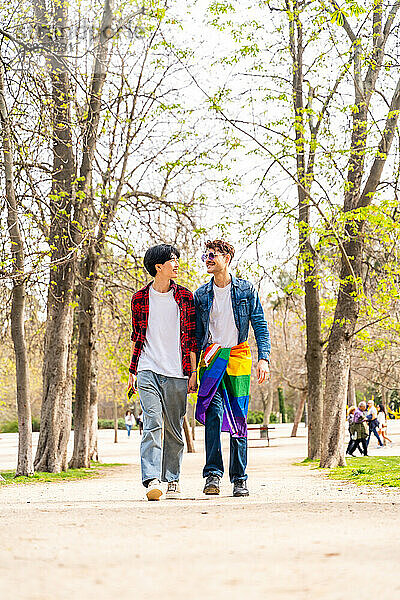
(246,309)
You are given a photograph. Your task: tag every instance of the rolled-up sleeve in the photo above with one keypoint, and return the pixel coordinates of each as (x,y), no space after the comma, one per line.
(199,326)
(260,327)
(191,325)
(135,324)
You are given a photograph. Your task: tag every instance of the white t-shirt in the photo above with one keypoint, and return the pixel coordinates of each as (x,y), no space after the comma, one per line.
(128,419)
(222,326)
(381,418)
(373,411)
(162,352)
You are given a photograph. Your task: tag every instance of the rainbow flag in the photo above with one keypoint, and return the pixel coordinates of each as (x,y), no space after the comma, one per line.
(229,368)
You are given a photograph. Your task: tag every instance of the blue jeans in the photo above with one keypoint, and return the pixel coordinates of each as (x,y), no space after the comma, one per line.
(163,400)
(128,428)
(238,446)
(373,428)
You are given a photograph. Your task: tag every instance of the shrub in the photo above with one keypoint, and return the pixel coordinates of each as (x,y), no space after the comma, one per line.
(12,426)
(273,418)
(109,424)
(255,417)
(290,414)
(9,426)
(35,424)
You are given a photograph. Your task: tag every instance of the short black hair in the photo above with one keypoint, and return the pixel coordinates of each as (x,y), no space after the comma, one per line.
(158,255)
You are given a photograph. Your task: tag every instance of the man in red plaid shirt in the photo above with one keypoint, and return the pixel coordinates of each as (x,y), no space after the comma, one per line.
(163,367)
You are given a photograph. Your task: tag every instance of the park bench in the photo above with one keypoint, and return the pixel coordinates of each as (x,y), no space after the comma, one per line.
(260,428)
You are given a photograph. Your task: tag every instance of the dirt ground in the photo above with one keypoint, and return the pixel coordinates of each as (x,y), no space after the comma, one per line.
(298,536)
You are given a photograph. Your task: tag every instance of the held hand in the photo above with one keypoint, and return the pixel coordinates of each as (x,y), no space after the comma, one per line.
(192,383)
(132,381)
(262,371)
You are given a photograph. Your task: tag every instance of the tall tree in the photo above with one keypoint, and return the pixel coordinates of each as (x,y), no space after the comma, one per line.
(25,460)
(85,412)
(360,189)
(55,423)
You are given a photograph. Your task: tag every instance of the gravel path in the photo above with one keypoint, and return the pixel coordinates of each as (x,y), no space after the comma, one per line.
(297,536)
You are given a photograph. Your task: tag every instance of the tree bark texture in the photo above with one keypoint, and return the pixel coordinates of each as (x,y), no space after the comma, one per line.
(314,360)
(25,461)
(351,390)
(267,401)
(299,414)
(93,411)
(86,345)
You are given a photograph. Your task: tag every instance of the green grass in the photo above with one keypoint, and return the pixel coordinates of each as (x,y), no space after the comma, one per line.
(371,470)
(70,475)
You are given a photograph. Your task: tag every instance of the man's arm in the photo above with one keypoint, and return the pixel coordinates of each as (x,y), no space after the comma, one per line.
(261,333)
(192,383)
(199,326)
(132,377)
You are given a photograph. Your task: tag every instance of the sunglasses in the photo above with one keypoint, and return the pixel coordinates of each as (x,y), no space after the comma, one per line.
(209,256)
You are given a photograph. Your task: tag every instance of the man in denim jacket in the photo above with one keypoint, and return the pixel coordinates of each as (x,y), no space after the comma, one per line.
(225,306)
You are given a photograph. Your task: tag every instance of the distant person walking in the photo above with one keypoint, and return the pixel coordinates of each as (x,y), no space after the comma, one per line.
(350,420)
(359,431)
(139,421)
(382,421)
(225,307)
(164,362)
(129,422)
(372,417)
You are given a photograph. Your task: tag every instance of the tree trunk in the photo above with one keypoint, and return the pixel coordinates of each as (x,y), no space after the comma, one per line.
(188,437)
(86,345)
(267,401)
(314,360)
(115,420)
(338,363)
(334,419)
(307,253)
(56,417)
(299,414)
(282,408)
(93,411)
(55,423)
(25,462)
(84,425)
(351,390)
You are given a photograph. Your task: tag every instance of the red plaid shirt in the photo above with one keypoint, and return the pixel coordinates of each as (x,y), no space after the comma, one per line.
(140,316)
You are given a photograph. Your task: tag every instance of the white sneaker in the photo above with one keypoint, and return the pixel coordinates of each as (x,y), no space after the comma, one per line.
(173,491)
(154,491)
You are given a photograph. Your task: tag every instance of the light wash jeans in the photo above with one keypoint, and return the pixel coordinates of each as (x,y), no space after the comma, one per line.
(162,399)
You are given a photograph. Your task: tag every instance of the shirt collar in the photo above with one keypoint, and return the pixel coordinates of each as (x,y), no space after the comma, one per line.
(173,286)
(211,282)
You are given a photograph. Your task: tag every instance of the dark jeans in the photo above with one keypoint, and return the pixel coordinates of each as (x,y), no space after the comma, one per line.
(373,428)
(238,446)
(362,446)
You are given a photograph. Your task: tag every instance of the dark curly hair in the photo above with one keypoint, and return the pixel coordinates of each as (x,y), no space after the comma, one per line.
(222,246)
